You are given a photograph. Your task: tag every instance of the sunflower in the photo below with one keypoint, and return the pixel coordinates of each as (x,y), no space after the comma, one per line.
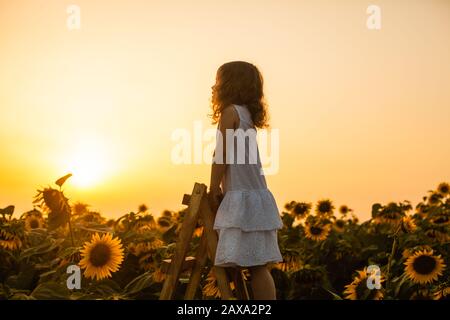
(34,221)
(211,289)
(358,290)
(317,231)
(444,188)
(145,224)
(145,247)
(9,241)
(391,214)
(57,206)
(339,225)
(440,220)
(142,208)
(147,261)
(291,262)
(93,217)
(344,209)
(354,219)
(308,276)
(164,222)
(167,213)
(434,198)
(146,252)
(301,209)
(408,225)
(423,267)
(79,208)
(102,256)
(437,236)
(422,209)
(324,207)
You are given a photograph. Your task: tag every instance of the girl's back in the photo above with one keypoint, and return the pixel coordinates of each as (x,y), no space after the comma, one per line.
(244,172)
(248,204)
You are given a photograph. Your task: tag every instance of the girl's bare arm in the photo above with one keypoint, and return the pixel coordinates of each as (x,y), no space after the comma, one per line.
(228,120)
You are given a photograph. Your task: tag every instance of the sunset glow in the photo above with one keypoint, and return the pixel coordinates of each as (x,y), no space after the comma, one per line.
(362,114)
(88,163)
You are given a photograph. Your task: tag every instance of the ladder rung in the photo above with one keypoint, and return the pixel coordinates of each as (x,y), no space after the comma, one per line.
(186,199)
(187,264)
(198,213)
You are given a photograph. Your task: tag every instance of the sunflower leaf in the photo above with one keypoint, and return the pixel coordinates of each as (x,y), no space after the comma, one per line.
(41,249)
(404,278)
(62,180)
(335,295)
(139,283)
(50,291)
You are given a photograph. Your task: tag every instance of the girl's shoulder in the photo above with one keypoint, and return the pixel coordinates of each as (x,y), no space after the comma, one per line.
(229,117)
(229,108)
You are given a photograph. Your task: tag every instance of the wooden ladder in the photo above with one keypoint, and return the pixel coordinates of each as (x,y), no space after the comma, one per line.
(199,210)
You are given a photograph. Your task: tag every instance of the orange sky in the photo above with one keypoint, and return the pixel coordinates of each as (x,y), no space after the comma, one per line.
(362,114)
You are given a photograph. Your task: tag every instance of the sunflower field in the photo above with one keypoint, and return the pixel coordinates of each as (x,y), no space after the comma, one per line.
(327,252)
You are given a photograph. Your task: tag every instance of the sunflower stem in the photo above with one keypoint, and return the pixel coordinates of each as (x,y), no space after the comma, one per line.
(388,273)
(71,233)
(70,225)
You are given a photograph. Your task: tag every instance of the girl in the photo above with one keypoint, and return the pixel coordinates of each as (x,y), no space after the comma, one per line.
(247,216)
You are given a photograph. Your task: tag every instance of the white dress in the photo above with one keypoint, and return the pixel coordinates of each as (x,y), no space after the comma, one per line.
(248,218)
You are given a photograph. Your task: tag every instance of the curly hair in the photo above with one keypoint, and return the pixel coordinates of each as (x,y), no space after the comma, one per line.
(241,83)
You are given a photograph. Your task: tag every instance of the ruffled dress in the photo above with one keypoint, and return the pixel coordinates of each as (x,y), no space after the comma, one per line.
(247,219)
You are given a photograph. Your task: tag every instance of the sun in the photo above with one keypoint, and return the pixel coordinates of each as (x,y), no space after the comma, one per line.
(87,170)
(88,163)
